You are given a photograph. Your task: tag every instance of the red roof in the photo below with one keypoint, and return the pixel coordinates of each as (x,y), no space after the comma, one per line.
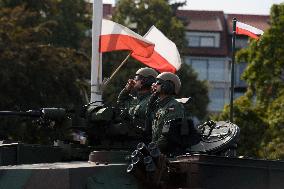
(206,21)
(258,21)
(203,20)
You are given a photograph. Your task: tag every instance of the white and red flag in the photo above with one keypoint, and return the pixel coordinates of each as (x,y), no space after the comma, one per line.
(165,57)
(245,29)
(116,37)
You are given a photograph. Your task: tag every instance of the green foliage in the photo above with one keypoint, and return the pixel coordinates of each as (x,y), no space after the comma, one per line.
(140,16)
(252,124)
(261,114)
(34,73)
(273,143)
(265,71)
(70,19)
(72,23)
(31,68)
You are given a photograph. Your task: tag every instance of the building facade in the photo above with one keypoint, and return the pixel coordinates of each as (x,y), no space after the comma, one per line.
(208,51)
(209,35)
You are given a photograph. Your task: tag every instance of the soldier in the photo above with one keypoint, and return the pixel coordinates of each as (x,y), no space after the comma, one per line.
(167,114)
(134,97)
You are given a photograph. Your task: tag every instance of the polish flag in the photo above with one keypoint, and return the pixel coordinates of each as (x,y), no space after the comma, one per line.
(248,30)
(165,57)
(116,37)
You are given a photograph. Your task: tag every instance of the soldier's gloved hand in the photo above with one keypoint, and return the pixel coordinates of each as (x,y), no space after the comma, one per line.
(130,84)
(151,102)
(154,89)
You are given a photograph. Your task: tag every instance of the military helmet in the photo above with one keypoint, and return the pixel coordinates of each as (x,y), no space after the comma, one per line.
(168,76)
(147,72)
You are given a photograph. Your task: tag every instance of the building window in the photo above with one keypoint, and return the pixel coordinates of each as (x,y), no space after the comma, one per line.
(216,70)
(217,98)
(241,42)
(203,39)
(200,66)
(207,41)
(193,41)
(240,68)
(209,69)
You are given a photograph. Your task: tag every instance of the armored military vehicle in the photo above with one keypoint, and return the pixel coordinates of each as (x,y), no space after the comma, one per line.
(115,157)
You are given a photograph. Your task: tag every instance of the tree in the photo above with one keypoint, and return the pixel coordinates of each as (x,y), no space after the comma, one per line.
(29,62)
(252,124)
(140,16)
(33,73)
(70,19)
(273,143)
(73,21)
(264,76)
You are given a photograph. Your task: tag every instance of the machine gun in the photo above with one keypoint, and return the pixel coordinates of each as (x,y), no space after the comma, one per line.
(97,127)
(44,113)
(106,129)
(49,124)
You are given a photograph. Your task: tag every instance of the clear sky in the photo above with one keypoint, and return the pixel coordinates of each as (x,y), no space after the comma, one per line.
(229,6)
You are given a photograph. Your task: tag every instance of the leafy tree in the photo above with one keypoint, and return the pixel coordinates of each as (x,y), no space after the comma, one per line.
(33,73)
(73,21)
(29,63)
(252,124)
(140,16)
(264,76)
(70,18)
(273,143)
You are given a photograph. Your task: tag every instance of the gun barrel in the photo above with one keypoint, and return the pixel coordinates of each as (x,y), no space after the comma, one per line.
(47,113)
(22,114)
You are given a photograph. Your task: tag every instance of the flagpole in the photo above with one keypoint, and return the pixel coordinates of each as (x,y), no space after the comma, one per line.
(233,71)
(117,69)
(96,64)
(122,63)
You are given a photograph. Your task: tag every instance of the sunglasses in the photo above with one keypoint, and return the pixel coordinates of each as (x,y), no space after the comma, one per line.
(137,78)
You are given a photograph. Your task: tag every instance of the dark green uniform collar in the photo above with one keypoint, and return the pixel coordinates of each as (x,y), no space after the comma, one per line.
(162,103)
(143,95)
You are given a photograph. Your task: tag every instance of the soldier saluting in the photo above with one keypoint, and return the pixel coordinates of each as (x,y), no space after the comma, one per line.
(135,96)
(166,113)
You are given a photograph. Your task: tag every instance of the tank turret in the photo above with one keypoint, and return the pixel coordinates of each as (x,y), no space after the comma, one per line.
(106,129)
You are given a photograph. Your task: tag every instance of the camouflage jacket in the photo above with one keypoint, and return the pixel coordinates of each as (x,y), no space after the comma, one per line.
(134,107)
(166,110)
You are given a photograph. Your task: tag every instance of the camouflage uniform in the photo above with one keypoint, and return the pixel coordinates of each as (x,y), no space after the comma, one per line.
(134,107)
(166,135)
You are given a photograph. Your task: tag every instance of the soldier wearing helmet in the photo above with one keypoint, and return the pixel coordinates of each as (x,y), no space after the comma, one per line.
(167,112)
(135,95)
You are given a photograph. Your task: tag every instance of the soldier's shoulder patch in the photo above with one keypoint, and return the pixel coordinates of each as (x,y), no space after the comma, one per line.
(134,97)
(166,128)
(171,108)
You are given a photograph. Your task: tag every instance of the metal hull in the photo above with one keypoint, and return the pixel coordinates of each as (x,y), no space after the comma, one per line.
(195,171)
